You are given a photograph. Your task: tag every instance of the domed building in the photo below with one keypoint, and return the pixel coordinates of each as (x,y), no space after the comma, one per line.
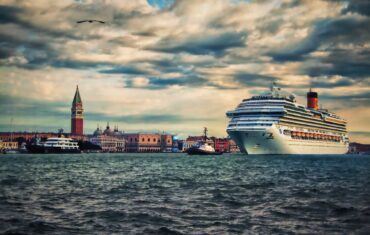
(97,132)
(108,140)
(108,131)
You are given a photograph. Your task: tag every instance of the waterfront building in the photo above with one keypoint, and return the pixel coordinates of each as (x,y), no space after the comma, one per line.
(233,147)
(148,142)
(175,144)
(6,145)
(221,144)
(77,120)
(108,140)
(357,148)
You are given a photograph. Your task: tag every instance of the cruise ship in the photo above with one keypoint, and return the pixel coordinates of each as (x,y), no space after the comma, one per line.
(275,123)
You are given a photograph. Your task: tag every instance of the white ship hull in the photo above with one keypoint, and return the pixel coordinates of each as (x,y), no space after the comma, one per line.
(271,141)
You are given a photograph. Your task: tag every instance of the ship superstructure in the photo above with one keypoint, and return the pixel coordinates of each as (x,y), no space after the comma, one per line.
(275,123)
(54,145)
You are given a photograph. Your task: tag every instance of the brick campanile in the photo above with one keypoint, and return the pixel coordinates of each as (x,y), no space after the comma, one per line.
(77,120)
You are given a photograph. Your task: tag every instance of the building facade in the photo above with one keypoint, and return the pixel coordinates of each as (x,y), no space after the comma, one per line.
(233,147)
(8,145)
(221,144)
(108,140)
(357,148)
(77,121)
(148,142)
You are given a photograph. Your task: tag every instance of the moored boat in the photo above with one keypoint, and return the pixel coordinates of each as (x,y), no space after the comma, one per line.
(202,147)
(54,145)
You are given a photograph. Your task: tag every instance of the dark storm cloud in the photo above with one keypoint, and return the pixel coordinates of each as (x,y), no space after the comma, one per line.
(358,6)
(74,64)
(177,66)
(323,82)
(350,63)
(124,70)
(36,43)
(359,99)
(328,32)
(156,83)
(254,80)
(23,18)
(8,14)
(5,52)
(36,52)
(212,44)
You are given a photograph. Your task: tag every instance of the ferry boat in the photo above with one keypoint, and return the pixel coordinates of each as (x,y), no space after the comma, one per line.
(275,123)
(202,147)
(54,145)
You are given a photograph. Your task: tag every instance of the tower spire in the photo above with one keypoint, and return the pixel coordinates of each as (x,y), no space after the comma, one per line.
(77,99)
(77,114)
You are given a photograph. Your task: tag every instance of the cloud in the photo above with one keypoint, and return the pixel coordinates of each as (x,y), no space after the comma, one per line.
(358,6)
(327,33)
(144,118)
(255,80)
(123,70)
(156,83)
(354,63)
(213,44)
(8,14)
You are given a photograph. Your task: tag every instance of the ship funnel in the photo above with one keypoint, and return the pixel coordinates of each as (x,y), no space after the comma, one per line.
(312,100)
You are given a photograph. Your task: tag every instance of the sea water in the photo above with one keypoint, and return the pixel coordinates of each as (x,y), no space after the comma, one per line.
(178,194)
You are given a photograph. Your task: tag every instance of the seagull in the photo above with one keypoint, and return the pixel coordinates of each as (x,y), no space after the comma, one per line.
(90,21)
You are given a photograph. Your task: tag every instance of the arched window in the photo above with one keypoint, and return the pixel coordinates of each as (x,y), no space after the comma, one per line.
(148,139)
(154,140)
(143,139)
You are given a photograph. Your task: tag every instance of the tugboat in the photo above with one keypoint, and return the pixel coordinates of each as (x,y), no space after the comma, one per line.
(202,147)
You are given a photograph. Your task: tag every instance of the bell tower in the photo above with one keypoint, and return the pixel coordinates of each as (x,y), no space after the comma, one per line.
(77,121)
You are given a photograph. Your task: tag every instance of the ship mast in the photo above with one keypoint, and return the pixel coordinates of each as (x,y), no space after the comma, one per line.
(205,134)
(11,129)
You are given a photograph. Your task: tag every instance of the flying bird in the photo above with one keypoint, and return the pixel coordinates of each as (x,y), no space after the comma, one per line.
(90,21)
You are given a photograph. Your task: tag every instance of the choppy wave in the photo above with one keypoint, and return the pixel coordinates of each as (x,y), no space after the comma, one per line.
(178,194)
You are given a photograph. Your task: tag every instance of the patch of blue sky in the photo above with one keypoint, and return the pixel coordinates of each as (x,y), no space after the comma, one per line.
(161,4)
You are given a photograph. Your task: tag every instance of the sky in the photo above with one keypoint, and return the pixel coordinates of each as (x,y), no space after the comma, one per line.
(178,65)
